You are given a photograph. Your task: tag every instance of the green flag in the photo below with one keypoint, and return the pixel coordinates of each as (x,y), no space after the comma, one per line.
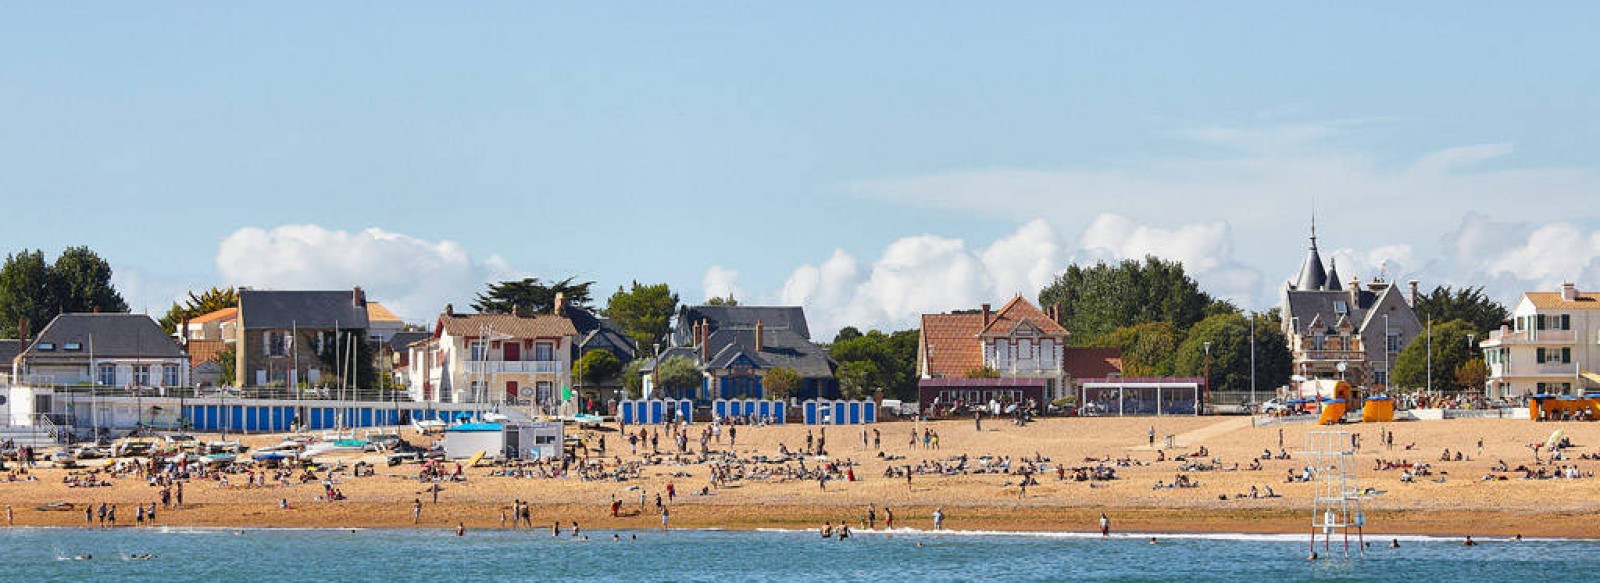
(566,392)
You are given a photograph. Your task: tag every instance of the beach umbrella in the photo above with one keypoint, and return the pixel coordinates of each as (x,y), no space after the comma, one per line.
(1555,436)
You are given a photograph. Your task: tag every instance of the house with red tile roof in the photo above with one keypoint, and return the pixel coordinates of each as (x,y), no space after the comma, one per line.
(516,359)
(1014,355)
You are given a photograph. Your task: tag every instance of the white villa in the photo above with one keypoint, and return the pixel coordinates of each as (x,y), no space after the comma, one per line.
(1552,346)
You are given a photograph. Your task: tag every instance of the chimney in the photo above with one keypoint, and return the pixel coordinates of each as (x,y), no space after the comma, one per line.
(516,310)
(1355,291)
(449,309)
(986,314)
(705,341)
(358,298)
(560,307)
(759,330)
(183,332)
(1413,283)
(1569,292)
(23,330)
(1055,312)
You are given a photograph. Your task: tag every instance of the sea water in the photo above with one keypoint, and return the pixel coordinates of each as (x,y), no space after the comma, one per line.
(196,554)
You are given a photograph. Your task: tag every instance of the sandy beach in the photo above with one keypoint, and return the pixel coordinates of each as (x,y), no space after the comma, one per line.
(1462,503)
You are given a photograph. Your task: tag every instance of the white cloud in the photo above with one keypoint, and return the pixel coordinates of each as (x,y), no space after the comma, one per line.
(721,282)
(412,276)
(930,274)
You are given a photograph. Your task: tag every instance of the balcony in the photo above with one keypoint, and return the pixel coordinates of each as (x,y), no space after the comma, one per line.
(1534,337)
(512,367)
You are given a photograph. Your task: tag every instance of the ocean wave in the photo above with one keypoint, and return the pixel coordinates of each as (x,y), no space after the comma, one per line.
(1138,535)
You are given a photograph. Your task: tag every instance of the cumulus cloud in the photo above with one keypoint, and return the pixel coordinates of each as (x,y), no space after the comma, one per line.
(412,276)
(721,282)
(931,274)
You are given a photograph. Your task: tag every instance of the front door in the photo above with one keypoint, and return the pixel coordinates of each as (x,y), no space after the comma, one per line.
(511,390)
(512,351)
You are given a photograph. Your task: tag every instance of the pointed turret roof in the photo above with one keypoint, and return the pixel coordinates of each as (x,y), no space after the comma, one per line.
(1312,276)
(1333,275)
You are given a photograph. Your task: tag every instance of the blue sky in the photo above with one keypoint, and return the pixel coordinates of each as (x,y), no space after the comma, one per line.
(870,161)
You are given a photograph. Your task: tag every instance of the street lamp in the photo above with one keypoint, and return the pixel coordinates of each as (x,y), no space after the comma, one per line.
(1206,390)
(1386,379)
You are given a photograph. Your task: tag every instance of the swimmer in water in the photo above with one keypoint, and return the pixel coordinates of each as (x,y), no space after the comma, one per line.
(83,557)
(1313,556)
(1394,543)
(616,538)
(1469,542)
(1517,538)
(919,544)
(1152,540)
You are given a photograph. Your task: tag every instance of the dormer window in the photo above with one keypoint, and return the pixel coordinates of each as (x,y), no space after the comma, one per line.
(1340,307)
(72,346)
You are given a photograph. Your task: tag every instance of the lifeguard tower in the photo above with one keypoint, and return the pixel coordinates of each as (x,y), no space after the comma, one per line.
(1337,505)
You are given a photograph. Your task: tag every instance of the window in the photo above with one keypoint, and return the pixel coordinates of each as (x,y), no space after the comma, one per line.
(1047,351)
(72,346)
(107,376)
(169,375)
(276,344)
(1318,342)
(1553,356)
(544,351)
(1025,350)
(1380,378)
(476,349)
(1339,307)
(47,346)
(141,375)
(1393,343)
(544,392)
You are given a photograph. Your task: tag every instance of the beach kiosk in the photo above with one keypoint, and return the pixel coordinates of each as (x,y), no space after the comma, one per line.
(1378,409)
(504,440)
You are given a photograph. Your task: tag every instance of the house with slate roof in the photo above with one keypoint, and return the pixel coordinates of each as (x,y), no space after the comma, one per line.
(9,349)
(280,333)
(735,346)
(1360,326)
(108,350)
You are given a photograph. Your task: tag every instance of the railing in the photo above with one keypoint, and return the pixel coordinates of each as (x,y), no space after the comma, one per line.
(1561,336)
(513,366)
(384,394)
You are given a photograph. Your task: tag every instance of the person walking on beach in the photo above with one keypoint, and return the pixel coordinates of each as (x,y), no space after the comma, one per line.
(11,519)
(416,513)
(888,518)
(1280,438)
(938,518)
(977,421)
(1152,435)
(1105,525)
(666,516)
(872,516)
(876,444)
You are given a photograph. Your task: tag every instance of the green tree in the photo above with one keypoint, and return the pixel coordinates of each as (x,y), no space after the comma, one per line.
(200,304)
(857,377)
(846,333)
(26,292)
(1097,299)
(1467,304)
(1450,351)
(679,374)
(982,372)
(727,301)
(633,378)
(644,312)
(780,382)
(531,296)
(1229,335)
(1148,349)
(82,282)
(893,356)
(596,367)
(226,358)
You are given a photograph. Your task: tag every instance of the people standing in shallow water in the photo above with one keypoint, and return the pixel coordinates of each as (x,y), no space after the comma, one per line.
(461,529)
(1394,543)
(1105,525)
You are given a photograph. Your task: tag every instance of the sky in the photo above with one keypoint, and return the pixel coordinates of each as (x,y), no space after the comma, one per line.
(870,161)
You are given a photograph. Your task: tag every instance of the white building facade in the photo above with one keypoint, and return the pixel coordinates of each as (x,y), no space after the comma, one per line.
(1552,346)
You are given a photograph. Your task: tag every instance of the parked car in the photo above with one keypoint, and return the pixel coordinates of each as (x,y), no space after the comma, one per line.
(1271,406)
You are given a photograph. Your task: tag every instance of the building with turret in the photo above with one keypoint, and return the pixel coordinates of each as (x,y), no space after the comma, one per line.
(1352,330)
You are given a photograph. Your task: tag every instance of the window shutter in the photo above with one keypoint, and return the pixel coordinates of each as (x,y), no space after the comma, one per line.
(1566,355)
(1538,355)
(1541,321)
(1566,321)
(266,343)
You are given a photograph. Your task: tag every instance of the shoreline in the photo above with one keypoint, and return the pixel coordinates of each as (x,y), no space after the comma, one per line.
(912,519)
